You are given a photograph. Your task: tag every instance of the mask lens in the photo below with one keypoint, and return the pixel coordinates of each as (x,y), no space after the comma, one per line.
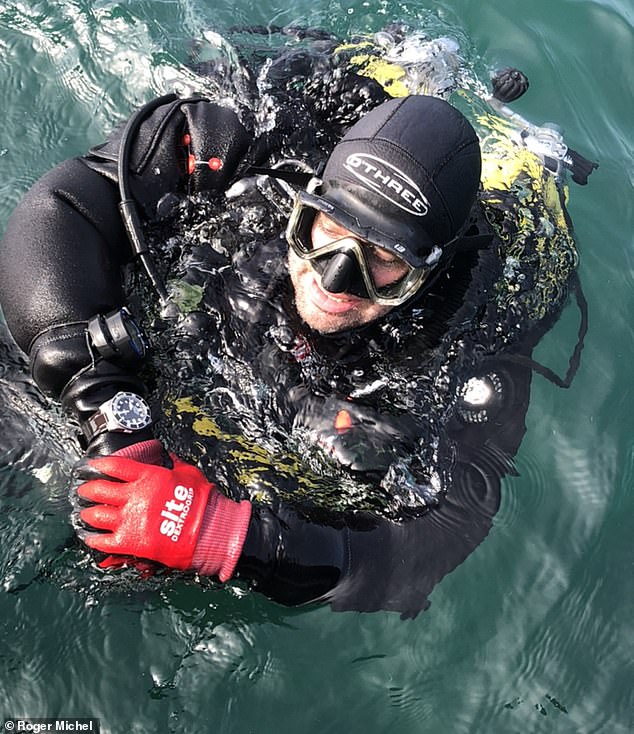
(387,270)
(375,272)
(298,231)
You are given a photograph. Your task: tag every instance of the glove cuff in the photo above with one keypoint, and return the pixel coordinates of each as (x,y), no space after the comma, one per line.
(222,535)
(147,452)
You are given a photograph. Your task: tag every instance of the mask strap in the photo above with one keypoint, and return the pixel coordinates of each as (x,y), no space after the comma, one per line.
(295,178)
(466,244)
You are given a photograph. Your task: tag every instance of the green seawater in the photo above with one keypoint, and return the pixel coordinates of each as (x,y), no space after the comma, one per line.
(533,633)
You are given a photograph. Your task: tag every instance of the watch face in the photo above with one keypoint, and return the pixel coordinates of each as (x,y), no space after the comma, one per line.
(131,411)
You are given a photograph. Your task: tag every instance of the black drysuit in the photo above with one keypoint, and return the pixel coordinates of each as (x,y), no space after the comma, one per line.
(61,263)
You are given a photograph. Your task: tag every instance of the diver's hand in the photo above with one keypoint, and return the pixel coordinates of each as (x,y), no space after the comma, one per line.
(149,452)
(161,514)
(509,85)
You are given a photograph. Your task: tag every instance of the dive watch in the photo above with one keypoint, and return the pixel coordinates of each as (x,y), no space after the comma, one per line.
(126,412)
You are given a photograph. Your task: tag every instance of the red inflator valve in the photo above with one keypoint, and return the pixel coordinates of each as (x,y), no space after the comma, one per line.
(215,164)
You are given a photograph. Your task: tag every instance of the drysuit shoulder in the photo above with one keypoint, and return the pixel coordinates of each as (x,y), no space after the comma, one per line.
(188,146)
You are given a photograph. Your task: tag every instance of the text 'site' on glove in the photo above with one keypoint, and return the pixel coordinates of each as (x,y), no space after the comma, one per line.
(173,516)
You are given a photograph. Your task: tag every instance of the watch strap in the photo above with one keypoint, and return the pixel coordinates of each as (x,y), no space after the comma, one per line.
(96,424)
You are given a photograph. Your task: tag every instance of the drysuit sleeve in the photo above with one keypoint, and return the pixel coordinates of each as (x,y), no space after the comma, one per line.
(60,265)
(388,565)
(63,254)
(374,563)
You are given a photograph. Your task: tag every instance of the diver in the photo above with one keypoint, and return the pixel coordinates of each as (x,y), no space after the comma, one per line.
(386,250)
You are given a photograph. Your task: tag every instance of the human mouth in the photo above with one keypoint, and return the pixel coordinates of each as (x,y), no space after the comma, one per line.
(328,302)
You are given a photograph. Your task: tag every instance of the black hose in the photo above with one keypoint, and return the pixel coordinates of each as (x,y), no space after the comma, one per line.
(575,359)
(127,205)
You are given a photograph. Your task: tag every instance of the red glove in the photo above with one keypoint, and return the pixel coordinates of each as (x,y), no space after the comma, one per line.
(157,513)
(149,452)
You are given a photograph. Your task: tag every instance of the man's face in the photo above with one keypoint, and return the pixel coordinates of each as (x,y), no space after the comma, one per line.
(327,312)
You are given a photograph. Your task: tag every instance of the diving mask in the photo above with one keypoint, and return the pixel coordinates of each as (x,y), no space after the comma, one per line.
(368,266)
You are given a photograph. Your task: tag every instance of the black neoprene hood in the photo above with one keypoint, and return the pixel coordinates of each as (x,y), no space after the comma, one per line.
(408,170)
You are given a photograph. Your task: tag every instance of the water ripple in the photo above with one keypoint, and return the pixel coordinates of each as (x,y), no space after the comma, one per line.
(531,494)
(531,633)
